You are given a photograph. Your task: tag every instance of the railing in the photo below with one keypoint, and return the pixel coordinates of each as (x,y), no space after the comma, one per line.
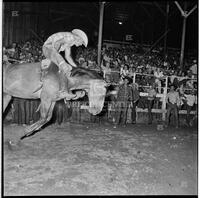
(162,95)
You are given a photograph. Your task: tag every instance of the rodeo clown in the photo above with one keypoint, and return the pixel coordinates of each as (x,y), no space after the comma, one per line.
(63,41)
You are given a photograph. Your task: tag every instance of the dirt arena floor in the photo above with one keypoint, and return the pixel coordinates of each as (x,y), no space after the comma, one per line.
(92,159)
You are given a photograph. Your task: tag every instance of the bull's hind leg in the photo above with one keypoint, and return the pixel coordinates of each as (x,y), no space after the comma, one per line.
(46,110)
(6,100)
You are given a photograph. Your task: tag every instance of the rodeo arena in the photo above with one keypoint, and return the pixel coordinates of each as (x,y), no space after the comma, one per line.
(100,98)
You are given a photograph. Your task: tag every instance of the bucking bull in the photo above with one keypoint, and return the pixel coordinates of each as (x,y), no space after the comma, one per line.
(24,81)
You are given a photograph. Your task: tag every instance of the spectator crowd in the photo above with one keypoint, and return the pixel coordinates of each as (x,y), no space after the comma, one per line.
(27,52)
(122,65)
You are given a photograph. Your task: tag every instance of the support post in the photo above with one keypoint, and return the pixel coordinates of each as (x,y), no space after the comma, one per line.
(100,32)
(185,14)
(183,42)
(183,37)
(166,27)
(3,22)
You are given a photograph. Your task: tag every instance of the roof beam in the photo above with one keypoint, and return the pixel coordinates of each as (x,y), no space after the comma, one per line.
(146,11)
(146,3)
(52,11)
(158,6)
(59,19)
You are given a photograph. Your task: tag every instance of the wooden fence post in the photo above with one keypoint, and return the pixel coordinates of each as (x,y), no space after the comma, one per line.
(164,102)
(134,75)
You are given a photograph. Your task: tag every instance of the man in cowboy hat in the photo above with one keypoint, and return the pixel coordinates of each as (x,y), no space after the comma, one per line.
(124,98)
(135,100)
(191,99)
(151,99)
(63,41)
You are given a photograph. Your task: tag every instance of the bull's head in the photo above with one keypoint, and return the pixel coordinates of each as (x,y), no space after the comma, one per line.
(96,95)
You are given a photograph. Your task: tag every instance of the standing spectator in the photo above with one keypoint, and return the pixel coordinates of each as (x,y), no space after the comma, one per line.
(172,101)
(159,75)
(182,98)
(135,100)
(173,76)
(124,97)
(151,98)
(190,101)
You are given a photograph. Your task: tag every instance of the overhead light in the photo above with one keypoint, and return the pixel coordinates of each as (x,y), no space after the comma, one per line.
(120,23)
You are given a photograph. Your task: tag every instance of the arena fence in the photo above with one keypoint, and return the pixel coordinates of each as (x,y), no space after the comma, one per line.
(23,111)
(160,96)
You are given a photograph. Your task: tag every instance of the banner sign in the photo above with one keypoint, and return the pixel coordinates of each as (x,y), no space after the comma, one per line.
(129,37)
(15,13)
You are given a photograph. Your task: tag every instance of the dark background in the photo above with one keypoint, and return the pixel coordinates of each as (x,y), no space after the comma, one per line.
(145,20)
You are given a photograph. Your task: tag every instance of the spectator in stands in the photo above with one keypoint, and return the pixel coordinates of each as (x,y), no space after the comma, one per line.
(81,59)
(22,57)
(27,46)
(193,68)
(5,57)
(190,84)
(135,100)
(124,71)
(151,98)
(131,72)
(124,97)
(13,50)
(181,77)
(173,100)
(85,64)
(106,69)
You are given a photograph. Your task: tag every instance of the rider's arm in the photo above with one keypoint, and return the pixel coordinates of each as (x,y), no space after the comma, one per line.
(58,44)
(68,57)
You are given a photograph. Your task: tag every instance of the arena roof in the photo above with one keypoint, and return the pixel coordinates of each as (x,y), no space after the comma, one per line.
(145,20)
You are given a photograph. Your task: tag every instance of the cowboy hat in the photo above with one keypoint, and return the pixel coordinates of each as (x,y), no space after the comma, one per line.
(82,35)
